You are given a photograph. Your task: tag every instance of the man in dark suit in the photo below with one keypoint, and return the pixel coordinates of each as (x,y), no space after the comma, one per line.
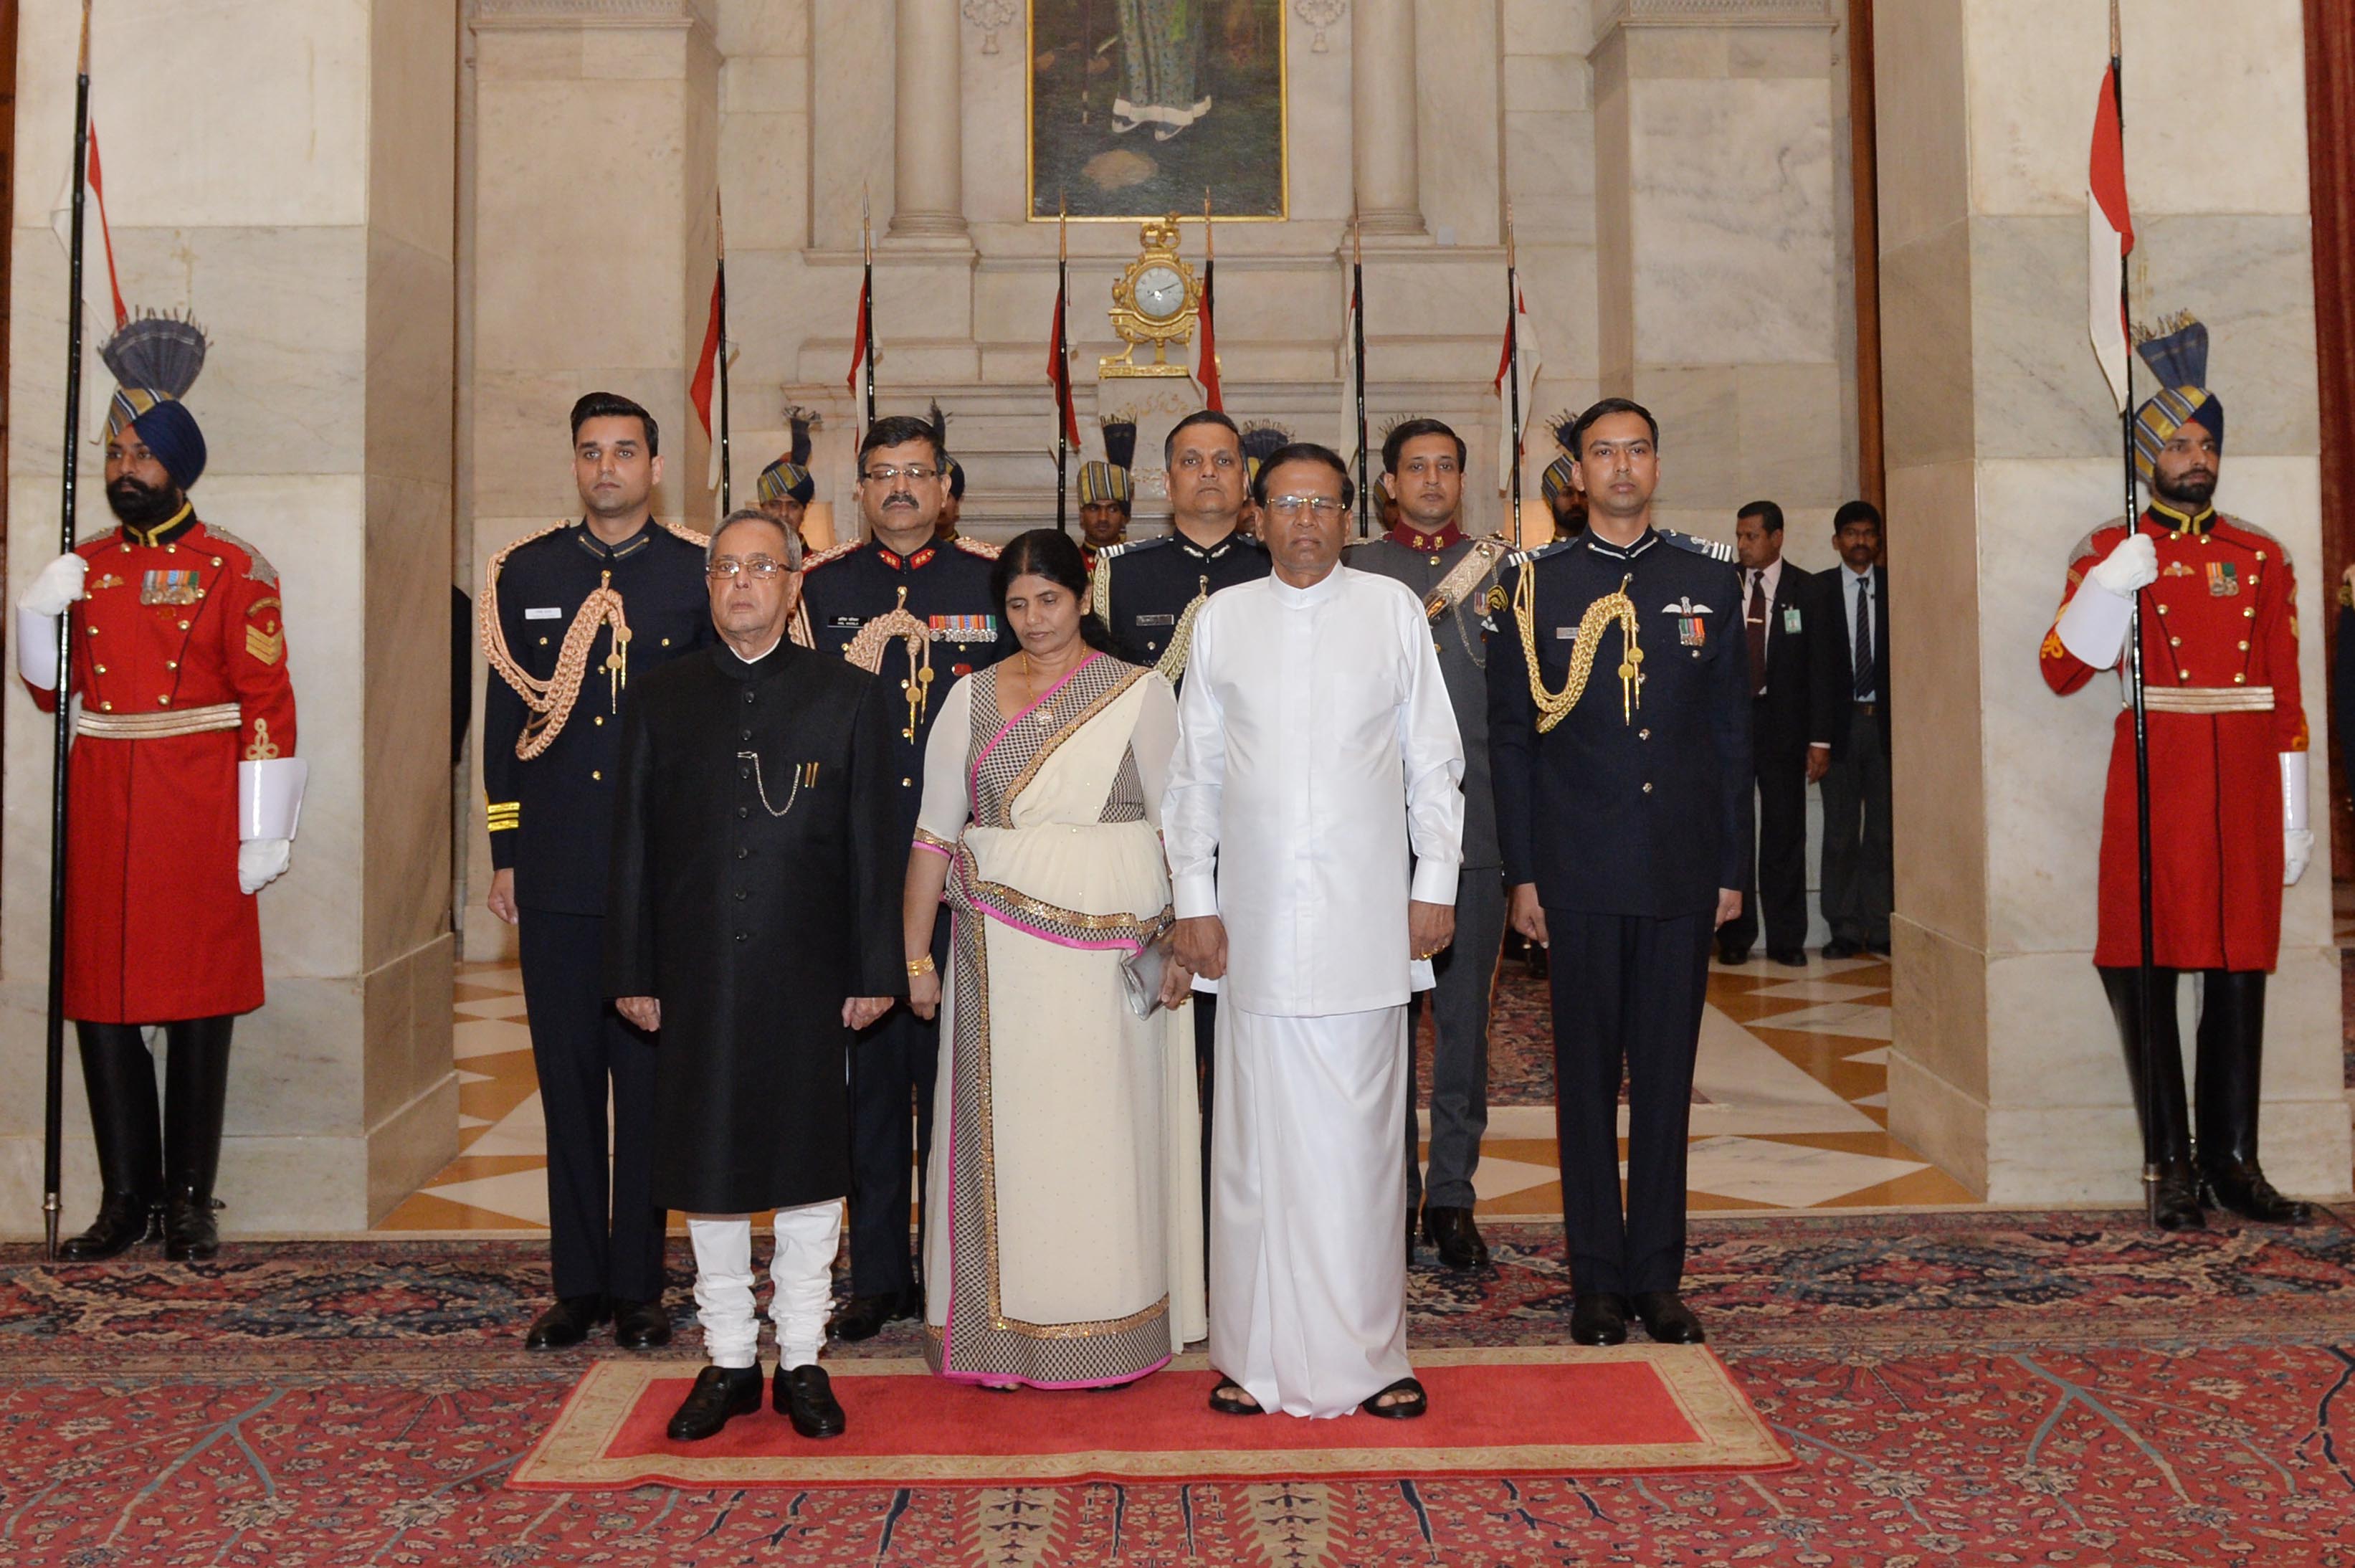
(1857,876)
(1795,673)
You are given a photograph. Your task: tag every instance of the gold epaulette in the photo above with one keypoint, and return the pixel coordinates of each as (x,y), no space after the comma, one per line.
(700,542)
(258,566)
(975,546)
(831,552)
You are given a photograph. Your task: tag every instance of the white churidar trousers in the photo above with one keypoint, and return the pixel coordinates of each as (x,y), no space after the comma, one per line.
(802,1271)
(1308,1208)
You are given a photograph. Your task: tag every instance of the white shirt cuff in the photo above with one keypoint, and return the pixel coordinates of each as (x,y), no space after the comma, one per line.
(1196,894)
(1435,880)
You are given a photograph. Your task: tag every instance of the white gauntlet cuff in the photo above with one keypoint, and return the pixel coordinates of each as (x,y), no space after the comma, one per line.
(269,797)
(2093,626)
(37,648)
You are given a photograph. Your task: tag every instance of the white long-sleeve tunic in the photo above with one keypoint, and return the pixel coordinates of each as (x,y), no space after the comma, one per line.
(1318,760)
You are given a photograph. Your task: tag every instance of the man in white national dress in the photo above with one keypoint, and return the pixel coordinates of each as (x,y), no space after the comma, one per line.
(1317,752)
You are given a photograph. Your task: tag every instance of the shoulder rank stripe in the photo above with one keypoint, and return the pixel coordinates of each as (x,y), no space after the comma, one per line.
(981,548)
(832,552)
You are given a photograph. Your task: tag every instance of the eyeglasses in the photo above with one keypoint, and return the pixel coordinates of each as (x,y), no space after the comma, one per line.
(761,566)
(1325,507)
(914,473)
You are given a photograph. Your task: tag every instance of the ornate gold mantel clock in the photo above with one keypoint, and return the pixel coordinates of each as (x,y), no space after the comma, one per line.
(1153,301)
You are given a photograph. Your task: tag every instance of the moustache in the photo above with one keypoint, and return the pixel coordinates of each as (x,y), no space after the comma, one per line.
(899,498)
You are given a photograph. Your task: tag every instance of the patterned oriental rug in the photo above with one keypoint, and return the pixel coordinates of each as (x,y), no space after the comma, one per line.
(1957,1388)
(1531,1411)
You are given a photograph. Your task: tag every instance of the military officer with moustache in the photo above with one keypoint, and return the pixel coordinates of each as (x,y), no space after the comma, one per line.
(568,615)
(183,797)
(1619,737)
(1148,593)
(2228,827)
(919,612)
(1451,574)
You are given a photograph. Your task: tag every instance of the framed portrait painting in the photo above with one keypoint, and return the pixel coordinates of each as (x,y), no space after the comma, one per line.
(1136,107)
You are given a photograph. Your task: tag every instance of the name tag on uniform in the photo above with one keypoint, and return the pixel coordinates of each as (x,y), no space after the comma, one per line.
(1791,618)
(1156,620)
(546,612)
(1565,633)
(965,628)
(846,623)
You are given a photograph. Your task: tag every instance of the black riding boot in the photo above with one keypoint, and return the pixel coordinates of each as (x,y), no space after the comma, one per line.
(2229,1074)
(120,1077)
(195,1089)
(2174,1205)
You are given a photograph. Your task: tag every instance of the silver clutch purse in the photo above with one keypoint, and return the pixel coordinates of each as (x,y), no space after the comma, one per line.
(1141,973)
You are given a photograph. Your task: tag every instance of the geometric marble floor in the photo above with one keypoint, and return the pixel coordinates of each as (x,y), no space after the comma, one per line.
(1790,1112)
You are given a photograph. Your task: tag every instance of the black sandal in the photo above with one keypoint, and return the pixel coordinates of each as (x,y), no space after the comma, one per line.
(1229,1398)
(1403,1410)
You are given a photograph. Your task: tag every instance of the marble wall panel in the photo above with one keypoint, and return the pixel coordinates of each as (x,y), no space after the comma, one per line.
(1927,398)
(406,690)
(995,103)
(763,27)
(1732,220)
(1614,239)
(1699,410)
(406,1150)
(765,84)
(1320,144)
(2030,70)
(413,117)
(2041,392)
(1791,432)
(1921,144)
(1550,162)
(2245,68)
(852,55)
(924,295)
(411,299)
(1935,606)
(313,53)
(1548,81)
(2251,279)
(665,53)
(1457,98)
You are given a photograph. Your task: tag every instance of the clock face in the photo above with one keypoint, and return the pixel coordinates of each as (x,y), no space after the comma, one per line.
(1160,293)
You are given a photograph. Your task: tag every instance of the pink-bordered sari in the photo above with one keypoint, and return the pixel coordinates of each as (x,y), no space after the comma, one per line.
(1063,1243)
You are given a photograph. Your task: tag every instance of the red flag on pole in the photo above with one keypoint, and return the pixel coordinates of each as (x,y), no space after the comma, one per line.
(1059,376)
(1206,357)
(105,234)
(859,337)
(707,365)
(2109,236)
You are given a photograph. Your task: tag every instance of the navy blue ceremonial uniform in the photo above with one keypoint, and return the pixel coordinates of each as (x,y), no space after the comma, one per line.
(946,586)
(552,823)
(1142,590)
(1146,595)
(1629,815)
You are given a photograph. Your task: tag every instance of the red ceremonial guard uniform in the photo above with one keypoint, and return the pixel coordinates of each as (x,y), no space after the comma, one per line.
(183,793)
(179,658)
(2216,604)
(2220,673)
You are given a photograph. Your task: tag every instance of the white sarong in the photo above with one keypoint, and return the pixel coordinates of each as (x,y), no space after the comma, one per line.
(1308,1208)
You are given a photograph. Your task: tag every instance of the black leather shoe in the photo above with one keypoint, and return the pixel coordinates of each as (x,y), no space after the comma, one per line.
(806,1397)
(2243,1189)
(1450,1229)
(864,1316)
(641,1325)
(122,1222)
(1667,1320)
(1731,956)
(1598,1317)
(190,1234)
(2175,1202)
(1842,947)
(1789,958)
(566,1323)
(720,1394)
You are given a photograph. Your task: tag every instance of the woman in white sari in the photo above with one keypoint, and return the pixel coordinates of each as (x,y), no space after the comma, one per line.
(1063,1244)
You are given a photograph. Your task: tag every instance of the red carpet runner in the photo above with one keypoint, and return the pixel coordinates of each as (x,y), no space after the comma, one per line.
(1536,1409)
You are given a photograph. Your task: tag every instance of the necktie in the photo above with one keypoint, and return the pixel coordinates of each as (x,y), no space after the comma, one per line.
(1866,686)
(1757,627)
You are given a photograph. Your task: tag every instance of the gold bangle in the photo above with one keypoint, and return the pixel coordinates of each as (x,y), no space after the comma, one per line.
(920,965)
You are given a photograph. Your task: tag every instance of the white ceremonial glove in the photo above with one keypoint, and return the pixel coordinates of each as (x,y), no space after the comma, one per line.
(2297,838)
(2129,568)
(59,585)
(262,861)
(2093,626)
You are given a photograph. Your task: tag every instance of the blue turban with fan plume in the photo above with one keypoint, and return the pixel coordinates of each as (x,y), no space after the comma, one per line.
(155,360)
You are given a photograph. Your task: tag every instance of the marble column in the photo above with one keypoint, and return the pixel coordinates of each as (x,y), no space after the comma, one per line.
(627,93)
(1716,251)
(927,154)
(1382,124)
(320,260)
(2003,447)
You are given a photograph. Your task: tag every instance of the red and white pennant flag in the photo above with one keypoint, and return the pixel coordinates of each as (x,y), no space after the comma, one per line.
(2109,237)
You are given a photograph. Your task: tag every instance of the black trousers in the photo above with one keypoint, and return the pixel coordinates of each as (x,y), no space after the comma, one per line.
(1206,1073)
(1627,990)
(604,1233)
(896,1059)
(1776,890)
(1858,853)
